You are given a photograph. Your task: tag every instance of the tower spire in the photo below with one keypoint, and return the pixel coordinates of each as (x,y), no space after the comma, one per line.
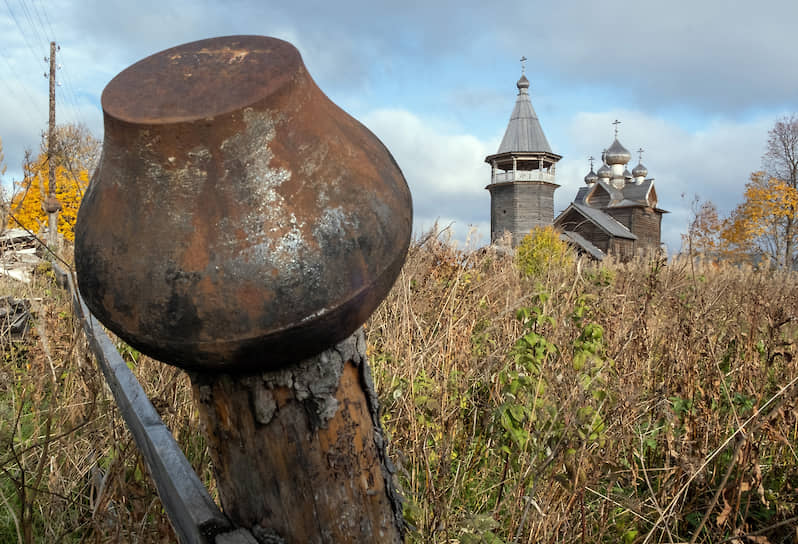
(523,177)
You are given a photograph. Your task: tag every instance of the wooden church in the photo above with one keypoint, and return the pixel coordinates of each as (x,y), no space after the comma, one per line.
(615,212)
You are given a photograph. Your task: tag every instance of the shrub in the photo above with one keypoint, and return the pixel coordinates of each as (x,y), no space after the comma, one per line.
(541,250)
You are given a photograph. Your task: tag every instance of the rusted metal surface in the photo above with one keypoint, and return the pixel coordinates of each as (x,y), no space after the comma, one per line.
(238,219)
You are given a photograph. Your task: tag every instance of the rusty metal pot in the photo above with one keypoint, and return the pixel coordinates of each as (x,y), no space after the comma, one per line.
(238,219)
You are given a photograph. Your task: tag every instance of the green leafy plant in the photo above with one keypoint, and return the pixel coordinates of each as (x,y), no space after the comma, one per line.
(541,250)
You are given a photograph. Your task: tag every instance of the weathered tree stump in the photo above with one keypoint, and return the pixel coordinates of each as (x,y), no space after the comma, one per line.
(300,451)
(242,226)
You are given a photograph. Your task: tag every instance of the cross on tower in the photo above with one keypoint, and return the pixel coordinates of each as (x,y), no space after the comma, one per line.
(640,155)
(523,64)
(591,159)
(616,123)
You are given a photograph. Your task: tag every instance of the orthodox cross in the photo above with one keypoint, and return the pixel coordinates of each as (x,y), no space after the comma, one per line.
(616,123)
(591,159)
(640,155)
(523,64)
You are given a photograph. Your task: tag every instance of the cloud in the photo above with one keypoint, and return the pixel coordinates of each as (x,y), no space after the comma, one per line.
(444,168)
(701,82)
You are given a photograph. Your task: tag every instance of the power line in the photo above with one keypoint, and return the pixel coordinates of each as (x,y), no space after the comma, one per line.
(39,37)
(19,27)
(70,103)
(38,15)
(69,92)
(22,95)
(47,20)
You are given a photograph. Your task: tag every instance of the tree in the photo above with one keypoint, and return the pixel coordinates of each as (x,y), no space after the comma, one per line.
(703,233)
(76,155)
(765,224)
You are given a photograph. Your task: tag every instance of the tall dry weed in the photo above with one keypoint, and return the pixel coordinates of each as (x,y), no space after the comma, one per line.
(69,469)
(632,402)
(621,402)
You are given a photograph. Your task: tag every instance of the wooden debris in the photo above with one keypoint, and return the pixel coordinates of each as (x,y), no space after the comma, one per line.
(14,317)
(19,254)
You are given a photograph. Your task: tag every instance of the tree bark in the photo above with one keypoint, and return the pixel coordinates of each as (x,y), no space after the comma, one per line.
(298,454)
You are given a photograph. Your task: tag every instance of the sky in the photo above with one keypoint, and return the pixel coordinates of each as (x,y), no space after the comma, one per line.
(696,84)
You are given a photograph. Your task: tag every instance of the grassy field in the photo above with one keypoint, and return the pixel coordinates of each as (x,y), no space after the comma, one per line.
(638,402)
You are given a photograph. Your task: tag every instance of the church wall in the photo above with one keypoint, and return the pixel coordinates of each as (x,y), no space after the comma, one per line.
(599,199)
(502,211)
(623,216)
(534,206)
(647,228)
(520,207)
(622,248)
(644,223)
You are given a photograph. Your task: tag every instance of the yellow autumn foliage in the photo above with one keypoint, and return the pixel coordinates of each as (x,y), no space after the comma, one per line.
(26,205)
(76,152)
(761,223)
(541,250)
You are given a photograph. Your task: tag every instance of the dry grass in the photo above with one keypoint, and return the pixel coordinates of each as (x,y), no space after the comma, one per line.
(659,407)
(70,469)
(689,390)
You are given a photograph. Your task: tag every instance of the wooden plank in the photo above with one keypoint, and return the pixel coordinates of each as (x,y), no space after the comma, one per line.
(193,514)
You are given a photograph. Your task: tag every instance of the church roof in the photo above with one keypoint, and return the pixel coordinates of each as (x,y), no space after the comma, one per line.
(638,193)
(615,195)
(605,222)
(582,242)
(581,194)
(524,133)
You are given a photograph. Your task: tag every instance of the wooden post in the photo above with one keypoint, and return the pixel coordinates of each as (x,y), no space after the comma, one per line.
(51,204)
(299,453)
(243,227)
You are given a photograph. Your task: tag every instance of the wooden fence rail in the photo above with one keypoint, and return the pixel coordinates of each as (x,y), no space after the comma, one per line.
(192,513)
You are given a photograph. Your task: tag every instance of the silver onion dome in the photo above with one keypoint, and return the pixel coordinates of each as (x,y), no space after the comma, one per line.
(617,154)
(604,172)
(523,83)
(591,177)
(640,171)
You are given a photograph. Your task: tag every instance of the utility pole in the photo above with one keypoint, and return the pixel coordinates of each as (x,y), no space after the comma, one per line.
(51,204)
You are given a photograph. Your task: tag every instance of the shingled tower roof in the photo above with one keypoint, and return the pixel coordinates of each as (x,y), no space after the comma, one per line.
(523,132)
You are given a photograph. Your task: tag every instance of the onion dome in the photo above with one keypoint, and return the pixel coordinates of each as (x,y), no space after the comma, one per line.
(617,154)
(640,171)
(591,177)
(604,172)
(523,83)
